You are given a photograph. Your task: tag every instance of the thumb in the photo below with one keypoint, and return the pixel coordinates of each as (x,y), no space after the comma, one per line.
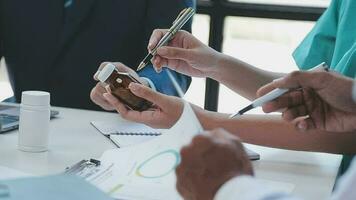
(266,89)
(305,79)
(148,94)
(175,53)
(293,80)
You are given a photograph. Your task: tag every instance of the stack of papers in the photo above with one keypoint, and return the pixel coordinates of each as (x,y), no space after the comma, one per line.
(147,170)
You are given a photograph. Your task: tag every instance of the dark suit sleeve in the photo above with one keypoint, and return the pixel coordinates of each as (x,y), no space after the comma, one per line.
(161,14)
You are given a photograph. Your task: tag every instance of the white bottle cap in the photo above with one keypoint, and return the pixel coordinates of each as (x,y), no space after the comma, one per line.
(35,98)
(105,73)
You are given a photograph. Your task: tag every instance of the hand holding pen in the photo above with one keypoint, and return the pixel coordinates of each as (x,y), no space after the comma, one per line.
(274,94)
(185,54)
(317,100)
(181,20)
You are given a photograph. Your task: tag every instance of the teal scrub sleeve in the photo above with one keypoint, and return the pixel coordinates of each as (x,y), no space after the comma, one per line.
(319,44)
(347,64)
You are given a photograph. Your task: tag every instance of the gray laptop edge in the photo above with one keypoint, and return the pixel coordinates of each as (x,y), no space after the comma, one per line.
(9,116)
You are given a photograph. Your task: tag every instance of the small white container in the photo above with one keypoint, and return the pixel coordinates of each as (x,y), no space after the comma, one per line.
(34,121)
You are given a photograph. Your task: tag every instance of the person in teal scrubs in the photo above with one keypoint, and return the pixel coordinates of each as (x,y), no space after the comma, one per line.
(333,40)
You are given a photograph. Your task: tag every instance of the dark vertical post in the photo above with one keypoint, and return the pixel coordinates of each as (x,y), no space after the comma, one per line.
(217,18)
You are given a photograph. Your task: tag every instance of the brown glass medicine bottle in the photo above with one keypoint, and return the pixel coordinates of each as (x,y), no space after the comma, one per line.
(118,83)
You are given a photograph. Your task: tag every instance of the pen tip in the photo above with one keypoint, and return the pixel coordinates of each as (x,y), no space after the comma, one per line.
(142,65)
(236,115)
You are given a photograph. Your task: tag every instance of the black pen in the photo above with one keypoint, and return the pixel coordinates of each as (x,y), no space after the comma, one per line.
(181,20)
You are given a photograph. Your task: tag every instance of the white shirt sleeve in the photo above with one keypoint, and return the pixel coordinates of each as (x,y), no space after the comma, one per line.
(249,188)
(346,187)
(151,84)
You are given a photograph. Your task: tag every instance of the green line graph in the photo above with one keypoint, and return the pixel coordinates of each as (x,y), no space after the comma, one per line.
(167,162)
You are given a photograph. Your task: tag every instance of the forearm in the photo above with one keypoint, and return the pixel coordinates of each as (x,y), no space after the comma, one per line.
(241,77)
(271,131)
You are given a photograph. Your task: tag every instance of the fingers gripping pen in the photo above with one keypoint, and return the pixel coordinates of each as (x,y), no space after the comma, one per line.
(274,94)
(181,20)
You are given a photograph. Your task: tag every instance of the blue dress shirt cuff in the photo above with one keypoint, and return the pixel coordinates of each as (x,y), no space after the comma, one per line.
(150,83)
(162,82)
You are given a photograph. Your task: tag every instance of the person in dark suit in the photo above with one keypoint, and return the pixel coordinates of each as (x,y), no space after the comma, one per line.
(57,46)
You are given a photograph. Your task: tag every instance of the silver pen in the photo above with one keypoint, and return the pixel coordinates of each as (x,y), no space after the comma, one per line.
(274,94)
(181,20)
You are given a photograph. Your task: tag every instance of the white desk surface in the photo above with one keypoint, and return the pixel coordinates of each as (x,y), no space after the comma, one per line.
(73,138)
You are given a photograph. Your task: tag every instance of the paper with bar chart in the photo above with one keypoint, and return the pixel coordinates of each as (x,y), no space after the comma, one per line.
(147,170)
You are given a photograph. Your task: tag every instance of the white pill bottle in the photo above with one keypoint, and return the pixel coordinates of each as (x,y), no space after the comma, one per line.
(34,121)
